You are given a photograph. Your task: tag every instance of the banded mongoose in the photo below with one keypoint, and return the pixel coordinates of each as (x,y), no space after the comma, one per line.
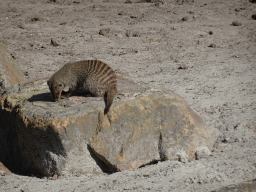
(97,77)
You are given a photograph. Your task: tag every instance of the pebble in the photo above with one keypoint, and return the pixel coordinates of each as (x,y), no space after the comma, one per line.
(202,152)
(183,67)
(236,23)
(104,32)
(35,19)
(186,18)
(54,43)
(212,45)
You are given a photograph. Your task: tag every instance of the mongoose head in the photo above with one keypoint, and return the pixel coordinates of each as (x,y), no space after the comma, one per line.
(56,89)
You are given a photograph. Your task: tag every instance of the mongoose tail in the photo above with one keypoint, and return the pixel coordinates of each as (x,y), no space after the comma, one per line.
(109,97)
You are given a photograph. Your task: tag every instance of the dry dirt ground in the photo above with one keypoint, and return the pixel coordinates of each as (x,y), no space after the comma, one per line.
(162,43)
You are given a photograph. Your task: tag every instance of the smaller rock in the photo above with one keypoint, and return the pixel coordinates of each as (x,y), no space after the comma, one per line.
(122,13)
(202,152)
(21,26)
(104,32)
(183,156)
(3,170)
(34,19)
(186,18)
(183,67)
(254,16)
(63,23)
(210,32)
(54,43)
(212,45)
(236,23)
(9,72)
(54,177)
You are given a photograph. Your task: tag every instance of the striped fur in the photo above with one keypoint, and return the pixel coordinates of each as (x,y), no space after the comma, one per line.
(97,77)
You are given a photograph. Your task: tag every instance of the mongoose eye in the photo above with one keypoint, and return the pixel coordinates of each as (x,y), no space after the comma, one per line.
(60,85)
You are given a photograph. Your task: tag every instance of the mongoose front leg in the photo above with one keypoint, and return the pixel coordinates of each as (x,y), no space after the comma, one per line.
(67,94)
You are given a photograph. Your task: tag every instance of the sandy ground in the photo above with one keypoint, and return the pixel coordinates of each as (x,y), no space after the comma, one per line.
(151,43)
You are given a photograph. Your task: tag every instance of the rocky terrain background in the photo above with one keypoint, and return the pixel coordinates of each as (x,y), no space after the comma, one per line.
(205,51)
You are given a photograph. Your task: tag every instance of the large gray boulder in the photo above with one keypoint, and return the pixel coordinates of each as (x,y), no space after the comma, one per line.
(144,125)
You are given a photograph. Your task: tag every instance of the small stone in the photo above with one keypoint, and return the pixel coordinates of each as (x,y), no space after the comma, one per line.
(122,13)
(104,32)
(21,26)
(54,43)
(212,45)
(9,73)
(254,16)
(35,19)
(202,152)
(183,156)
(3,170)
(54,177)
(183,67)
(236,23)
(210,32)
(63,23)
(186,18)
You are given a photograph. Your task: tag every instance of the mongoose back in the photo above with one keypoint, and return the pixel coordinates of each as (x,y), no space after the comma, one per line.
(97,77)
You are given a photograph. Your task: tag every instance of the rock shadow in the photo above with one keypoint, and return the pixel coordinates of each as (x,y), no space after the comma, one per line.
(29,151)
(45,97)
(41,97)
(104,165)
